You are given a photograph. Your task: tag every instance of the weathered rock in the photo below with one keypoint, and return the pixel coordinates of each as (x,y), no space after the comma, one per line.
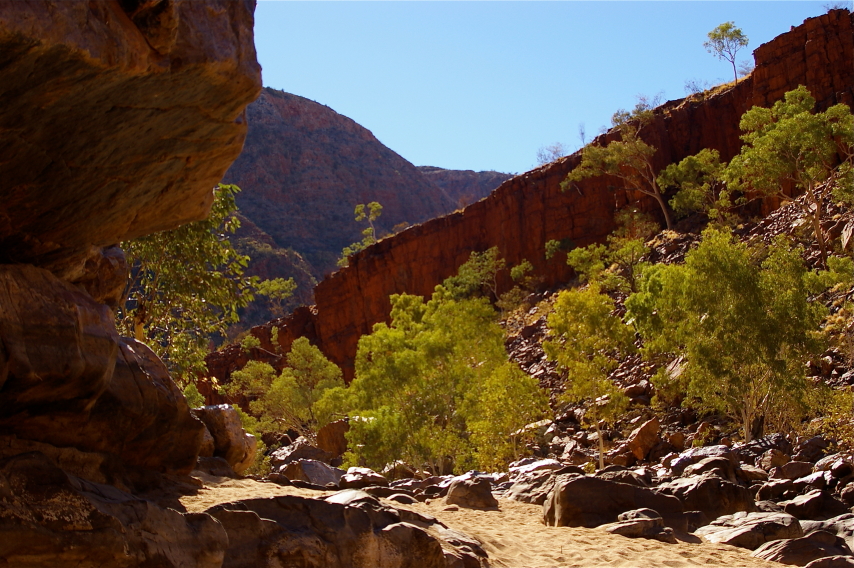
(330,437)
(792,470)
(719,466)
(301,449)
(751,473)
(358,477)
(815,505)
(832,562)
(215,466)
(802,551)
(51,518)
(694,455)
(842,526)
(348,529)
(711,494)
(535,487)
(750,451)
(772,458)
(231,441)
(751,530)
(625,476)
(531,466)
(154,128)
(644,438)
(475,492)
(775,489)
(589,502)
(71,381)
(810,449)
(313,471)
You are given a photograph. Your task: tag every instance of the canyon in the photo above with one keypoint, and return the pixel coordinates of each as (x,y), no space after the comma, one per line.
(528,210)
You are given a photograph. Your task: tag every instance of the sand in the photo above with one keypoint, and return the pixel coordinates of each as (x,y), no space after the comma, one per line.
(514,536)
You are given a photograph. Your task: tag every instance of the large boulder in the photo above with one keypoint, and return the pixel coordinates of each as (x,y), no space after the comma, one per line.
(644,438)
(313,471)
(589,502)
(346,530)
(751,530)
(331,437)
(359,477)
(231,441)
(815,505)
(535,487)
(51,518)
(72,382)
(474,492)
(802,551)
(153,93)
(709,493)
(301,449)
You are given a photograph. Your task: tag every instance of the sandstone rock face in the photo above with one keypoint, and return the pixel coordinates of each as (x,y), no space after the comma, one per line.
(52,518)
(112,129)
(530,209)
(345,530)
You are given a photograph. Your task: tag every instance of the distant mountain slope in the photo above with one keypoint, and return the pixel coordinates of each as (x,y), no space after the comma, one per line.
(464,187)
(305,167)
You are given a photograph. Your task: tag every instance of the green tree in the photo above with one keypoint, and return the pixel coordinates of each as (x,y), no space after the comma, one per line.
(745,339)
(289,400)
(277,291)
(478,276)
(699,184)
(186,286)
(434,388)
(790,143)
(614,267)
(370,213)
(628,159)
(588,342)
(724,42)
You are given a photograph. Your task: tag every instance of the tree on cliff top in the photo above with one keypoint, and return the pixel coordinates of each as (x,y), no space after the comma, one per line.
(724,43)
(370,213)
(186,286)
(628,159)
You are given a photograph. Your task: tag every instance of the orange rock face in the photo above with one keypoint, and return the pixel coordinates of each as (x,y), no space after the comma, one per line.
(530,209)
(116,124)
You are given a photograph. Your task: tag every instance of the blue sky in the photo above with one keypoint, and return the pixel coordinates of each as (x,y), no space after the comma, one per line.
(483,85)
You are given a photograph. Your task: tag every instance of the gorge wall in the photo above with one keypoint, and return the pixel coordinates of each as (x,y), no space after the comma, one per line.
(530,209)
(118,119)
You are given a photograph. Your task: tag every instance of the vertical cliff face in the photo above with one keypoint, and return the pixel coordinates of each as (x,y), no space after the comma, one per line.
(528,210)
(118,119)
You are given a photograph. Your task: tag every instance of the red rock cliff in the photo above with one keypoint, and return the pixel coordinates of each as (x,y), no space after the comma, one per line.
(530,209)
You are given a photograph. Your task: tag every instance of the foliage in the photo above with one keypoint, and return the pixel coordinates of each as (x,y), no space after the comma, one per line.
(434,388)
(725,41)
(548,154)
(699,183)
(587,343)
(478,276)
(193,396)
(525,282)
(277,291)
(628,159)
(186,286)
(289,400)
(615,267)
(370,213)
(789,143)
(745,339)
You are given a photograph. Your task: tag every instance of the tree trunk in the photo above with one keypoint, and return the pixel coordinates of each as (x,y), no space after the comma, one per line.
(816,224)
(601,447)
(668,220)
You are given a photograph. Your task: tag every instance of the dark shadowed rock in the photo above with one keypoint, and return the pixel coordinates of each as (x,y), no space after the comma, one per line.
(711,494)
(51,518)
(815,505)
(589,502)
(832,562)
(475,492)
(751,530)
(231,441)
(802,551)
(330,438)
(313,471)
(301,449)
